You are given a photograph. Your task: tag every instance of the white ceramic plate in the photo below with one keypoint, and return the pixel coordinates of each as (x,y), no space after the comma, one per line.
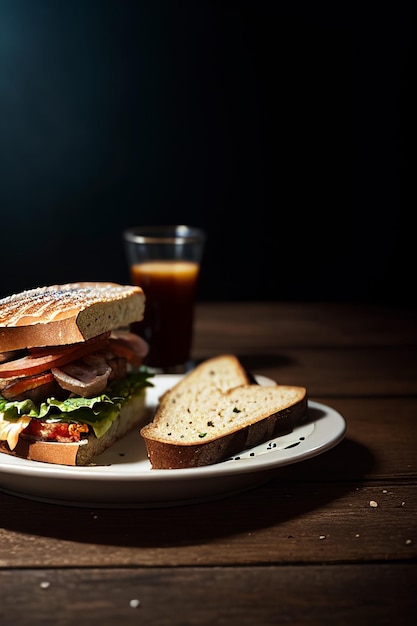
(123,478)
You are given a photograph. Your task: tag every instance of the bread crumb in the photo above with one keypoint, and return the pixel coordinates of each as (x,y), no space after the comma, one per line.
(408,542)
(134,603)
(357,535)
(373,503)
(45,584)
(322,537)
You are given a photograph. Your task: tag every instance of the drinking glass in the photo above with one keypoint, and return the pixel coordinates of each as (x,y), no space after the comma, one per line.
(165,262)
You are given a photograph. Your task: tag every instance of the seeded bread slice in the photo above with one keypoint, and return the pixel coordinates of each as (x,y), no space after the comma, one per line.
(201,425)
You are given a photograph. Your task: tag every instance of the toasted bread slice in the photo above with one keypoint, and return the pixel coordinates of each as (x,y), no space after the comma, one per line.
(201,421)
(65,314)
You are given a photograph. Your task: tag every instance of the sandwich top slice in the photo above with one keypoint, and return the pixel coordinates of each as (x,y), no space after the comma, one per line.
(71,375)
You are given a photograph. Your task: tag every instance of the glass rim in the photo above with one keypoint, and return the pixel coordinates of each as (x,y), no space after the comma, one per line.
(171,233)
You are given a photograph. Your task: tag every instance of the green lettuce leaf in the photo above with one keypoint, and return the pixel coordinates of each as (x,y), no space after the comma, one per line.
(98,412)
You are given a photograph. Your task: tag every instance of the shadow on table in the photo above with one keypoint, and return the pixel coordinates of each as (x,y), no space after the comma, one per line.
(293,491)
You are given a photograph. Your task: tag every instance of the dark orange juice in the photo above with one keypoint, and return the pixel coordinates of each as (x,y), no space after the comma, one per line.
(170,290)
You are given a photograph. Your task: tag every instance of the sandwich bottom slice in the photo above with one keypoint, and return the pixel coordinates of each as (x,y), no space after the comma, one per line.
(108,417)
(201,424)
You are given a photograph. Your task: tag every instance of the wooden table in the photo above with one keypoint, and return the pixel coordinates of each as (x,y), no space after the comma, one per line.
(329,540)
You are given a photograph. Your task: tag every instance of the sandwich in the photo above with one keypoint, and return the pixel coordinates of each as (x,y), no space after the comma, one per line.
(72,379)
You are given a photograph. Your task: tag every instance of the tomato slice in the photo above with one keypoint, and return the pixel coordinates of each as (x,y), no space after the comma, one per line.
(58,431)
(22,385)
(44,359)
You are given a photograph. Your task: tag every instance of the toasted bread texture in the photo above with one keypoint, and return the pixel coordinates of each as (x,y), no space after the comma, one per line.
(202,421)
(65,314)
(132,415)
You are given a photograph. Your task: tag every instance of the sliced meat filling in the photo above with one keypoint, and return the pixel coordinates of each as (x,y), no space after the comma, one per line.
(52,371)
(86,377)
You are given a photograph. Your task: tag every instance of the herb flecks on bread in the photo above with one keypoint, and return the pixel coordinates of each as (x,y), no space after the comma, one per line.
(201,421)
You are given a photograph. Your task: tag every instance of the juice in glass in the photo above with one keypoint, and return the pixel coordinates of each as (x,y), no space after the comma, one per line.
(170,291)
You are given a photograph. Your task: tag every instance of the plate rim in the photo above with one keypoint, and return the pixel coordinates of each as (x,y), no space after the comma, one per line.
(329,430)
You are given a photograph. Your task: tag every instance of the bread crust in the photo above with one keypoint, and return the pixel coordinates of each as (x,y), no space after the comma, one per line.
(64,314)
(132,415)
(163,455)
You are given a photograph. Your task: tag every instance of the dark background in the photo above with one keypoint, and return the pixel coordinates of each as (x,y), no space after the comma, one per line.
(285,129)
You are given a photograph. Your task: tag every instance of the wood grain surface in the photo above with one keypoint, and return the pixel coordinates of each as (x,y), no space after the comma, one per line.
(330,540)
